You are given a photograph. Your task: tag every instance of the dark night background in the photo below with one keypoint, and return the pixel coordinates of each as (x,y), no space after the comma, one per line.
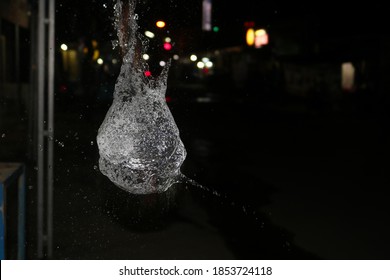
(298,163)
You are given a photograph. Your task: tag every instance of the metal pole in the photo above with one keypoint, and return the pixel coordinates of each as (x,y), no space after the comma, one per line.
(45,123)
(50,129)
(40,119)
(2,56)
(3,220)
(17,68)
(32,108)
(22,214)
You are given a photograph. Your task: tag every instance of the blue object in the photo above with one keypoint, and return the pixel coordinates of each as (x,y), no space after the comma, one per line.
(10,173)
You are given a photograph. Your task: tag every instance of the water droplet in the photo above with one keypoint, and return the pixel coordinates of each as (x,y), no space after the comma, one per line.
(91,143)
(3,135)
(105,6)
(61,144)
(115,43)
(95,167)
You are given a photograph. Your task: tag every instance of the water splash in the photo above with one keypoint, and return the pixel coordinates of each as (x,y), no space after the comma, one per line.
(139,144)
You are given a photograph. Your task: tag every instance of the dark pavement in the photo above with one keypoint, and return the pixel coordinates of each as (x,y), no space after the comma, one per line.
(287,183)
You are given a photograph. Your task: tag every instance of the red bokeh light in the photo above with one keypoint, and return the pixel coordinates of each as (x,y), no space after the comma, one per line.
(167,46)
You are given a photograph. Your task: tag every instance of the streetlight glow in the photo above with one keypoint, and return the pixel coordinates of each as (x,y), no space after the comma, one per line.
(149,34)
(160,24)
(260,32)
(64,47)
(200,65)
(193,57)
(250,37)
(261,38)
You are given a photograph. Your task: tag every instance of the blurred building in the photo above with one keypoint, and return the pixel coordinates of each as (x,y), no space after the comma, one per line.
(14,51)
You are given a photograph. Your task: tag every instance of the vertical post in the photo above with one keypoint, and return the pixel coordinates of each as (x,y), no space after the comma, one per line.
(2,57)
(40,119)
(22,214)
(45,123)
(17,67)
(32,108)
(2,221)
(50,129)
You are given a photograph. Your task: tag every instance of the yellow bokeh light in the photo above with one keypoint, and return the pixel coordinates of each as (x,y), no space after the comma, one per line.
(250,37)
(96,54)
(260,32)
(160,24)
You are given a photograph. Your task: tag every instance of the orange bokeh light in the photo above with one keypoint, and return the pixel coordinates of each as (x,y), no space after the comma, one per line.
(160,24)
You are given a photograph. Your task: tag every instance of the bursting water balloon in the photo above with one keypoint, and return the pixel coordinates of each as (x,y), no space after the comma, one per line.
(139,143)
